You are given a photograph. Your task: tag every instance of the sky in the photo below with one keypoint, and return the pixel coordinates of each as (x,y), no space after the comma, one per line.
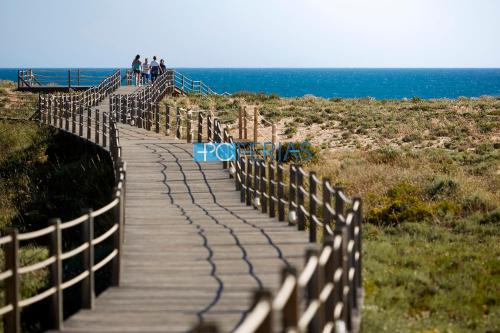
(251,33)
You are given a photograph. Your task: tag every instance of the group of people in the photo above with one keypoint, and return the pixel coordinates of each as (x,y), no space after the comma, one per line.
(145,72)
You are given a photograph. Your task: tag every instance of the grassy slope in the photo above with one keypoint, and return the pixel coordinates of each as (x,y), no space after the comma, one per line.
(429,174)
(39,167)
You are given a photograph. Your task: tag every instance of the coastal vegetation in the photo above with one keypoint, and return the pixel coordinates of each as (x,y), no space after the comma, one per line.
(45,173)
(429,174)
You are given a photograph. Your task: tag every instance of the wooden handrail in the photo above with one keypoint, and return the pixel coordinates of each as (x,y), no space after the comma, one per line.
(332,278)
(53,110)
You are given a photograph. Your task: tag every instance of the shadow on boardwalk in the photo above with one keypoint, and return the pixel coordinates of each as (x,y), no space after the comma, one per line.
(192,251)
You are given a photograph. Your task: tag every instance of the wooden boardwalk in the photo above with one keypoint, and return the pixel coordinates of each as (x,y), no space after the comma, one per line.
(192,251)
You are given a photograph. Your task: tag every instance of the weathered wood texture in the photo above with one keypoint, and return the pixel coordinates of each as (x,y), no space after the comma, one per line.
(192,251)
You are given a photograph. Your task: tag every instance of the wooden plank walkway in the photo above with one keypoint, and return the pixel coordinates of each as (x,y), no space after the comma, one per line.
(192,251)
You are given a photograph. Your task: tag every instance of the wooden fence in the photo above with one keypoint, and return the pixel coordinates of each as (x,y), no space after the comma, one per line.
(327,295)
(180,82)
(31,79)
(59,111)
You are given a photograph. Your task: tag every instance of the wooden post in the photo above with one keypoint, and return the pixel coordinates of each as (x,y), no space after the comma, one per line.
(225,139)
(178,132)
(60,111)
(209,128)
(243,178)
(189,128)
(328,278)
(69,78)
(264,295)
(78,73)
(167,120)
(140,110)
(248,180)
(112,106)
(271,170)
(314,288)
(292,195)
(89,123)
(300,199)
(255,124)
(49,110)
(281,192)
(12,320)
(115,268)
(124,108)
(263,186)
(339,208)
(358,245)
(240,123)
(256,187)
(66,107)
(73,118)
(200,127)
(88,285)
(346,310)
(290,314)
(97,126)
(150,115)
(338,291)
(157,117)
(104,130)
(55,249)
(80,120)
(245,125)
(312,207)
(327,218)
(41,109)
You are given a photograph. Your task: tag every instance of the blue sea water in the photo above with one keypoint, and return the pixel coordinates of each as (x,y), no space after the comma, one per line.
(340,82)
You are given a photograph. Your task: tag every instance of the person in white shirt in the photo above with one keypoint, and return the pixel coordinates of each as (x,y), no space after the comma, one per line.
(145,71)
(155,69)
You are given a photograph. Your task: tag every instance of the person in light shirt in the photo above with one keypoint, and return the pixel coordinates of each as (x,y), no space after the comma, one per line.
(155,69)
(146,68)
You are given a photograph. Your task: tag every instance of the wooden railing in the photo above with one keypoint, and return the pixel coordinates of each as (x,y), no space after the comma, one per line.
(179,81)
(59,111)
(61,77)
(331,279)
(327,295)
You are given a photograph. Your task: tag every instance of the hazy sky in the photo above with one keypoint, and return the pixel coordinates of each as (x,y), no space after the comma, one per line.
(251,33)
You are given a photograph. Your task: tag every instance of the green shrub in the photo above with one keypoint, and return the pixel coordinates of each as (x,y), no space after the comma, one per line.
(442,187)
(477,201)
(290,130)
(491,218)
(411,137)
(401,204)
(384,155)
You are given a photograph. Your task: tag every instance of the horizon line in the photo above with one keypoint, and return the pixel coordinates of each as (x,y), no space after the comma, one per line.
(217,67)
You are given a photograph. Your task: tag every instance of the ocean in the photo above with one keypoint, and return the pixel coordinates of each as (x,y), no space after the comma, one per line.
(342,82)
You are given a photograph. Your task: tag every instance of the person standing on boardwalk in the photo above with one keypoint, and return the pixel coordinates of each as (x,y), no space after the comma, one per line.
(136,67)
(145,71)
(162,66)
(155,69)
